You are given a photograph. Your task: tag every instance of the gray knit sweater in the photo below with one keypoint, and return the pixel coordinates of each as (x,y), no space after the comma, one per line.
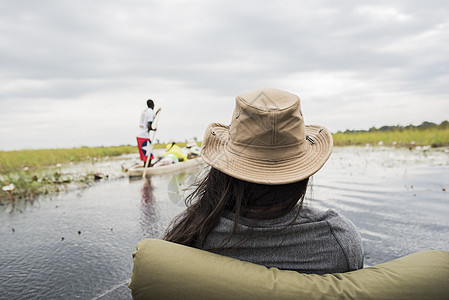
(317,242)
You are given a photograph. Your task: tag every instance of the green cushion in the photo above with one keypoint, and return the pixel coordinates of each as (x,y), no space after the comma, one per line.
(164,270)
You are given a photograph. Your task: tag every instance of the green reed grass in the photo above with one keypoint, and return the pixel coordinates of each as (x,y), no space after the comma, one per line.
(433,136)
(17,160)
(25,168)
(28,169)
(29,184)
(12,161)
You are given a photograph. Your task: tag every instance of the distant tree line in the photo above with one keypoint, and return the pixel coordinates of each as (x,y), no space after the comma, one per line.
(423,125)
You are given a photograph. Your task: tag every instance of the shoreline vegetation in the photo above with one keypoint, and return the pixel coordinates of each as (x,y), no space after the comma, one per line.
(27,173)
(427,134)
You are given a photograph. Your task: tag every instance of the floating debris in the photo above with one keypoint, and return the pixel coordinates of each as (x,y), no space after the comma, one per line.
(98,176)
(79,231)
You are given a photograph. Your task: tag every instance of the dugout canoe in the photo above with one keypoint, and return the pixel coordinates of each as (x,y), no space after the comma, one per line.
(167,169)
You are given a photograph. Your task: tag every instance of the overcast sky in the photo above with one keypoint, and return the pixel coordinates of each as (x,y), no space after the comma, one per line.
(78,73)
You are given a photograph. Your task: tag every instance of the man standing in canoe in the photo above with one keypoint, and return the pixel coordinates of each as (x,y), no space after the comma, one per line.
(143,136)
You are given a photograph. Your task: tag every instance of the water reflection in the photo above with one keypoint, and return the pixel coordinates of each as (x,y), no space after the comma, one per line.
(18,205)
(180,186)
(147,191)
(149,211)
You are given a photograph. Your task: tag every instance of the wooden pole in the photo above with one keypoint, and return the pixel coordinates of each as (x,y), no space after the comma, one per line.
(151,147)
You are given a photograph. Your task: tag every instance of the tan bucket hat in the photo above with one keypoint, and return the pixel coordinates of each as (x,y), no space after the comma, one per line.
(267,141)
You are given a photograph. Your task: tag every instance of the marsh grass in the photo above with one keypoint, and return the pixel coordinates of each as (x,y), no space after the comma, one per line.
(433,136)
(34,172)
(26,186)
(17,160)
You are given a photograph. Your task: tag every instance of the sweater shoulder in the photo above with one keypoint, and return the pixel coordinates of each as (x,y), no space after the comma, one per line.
(349,239)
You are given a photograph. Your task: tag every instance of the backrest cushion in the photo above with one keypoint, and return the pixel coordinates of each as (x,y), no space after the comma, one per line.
(165,270)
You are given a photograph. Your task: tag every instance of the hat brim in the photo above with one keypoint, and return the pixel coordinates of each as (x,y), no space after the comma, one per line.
(216,154)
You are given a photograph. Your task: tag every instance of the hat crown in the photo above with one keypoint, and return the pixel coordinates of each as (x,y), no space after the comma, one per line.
(267,141)
(267,118)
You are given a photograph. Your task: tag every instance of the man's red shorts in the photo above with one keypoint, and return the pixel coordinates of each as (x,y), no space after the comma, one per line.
(144,146)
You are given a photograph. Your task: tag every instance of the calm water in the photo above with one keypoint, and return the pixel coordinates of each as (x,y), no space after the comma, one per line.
(78,245)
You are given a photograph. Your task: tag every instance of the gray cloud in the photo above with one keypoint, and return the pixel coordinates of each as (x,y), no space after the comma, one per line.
(195,56)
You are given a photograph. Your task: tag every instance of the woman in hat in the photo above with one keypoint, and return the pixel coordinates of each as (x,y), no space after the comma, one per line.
(249,205)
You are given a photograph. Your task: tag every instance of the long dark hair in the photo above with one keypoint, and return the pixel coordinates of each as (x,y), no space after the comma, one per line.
(218,193)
